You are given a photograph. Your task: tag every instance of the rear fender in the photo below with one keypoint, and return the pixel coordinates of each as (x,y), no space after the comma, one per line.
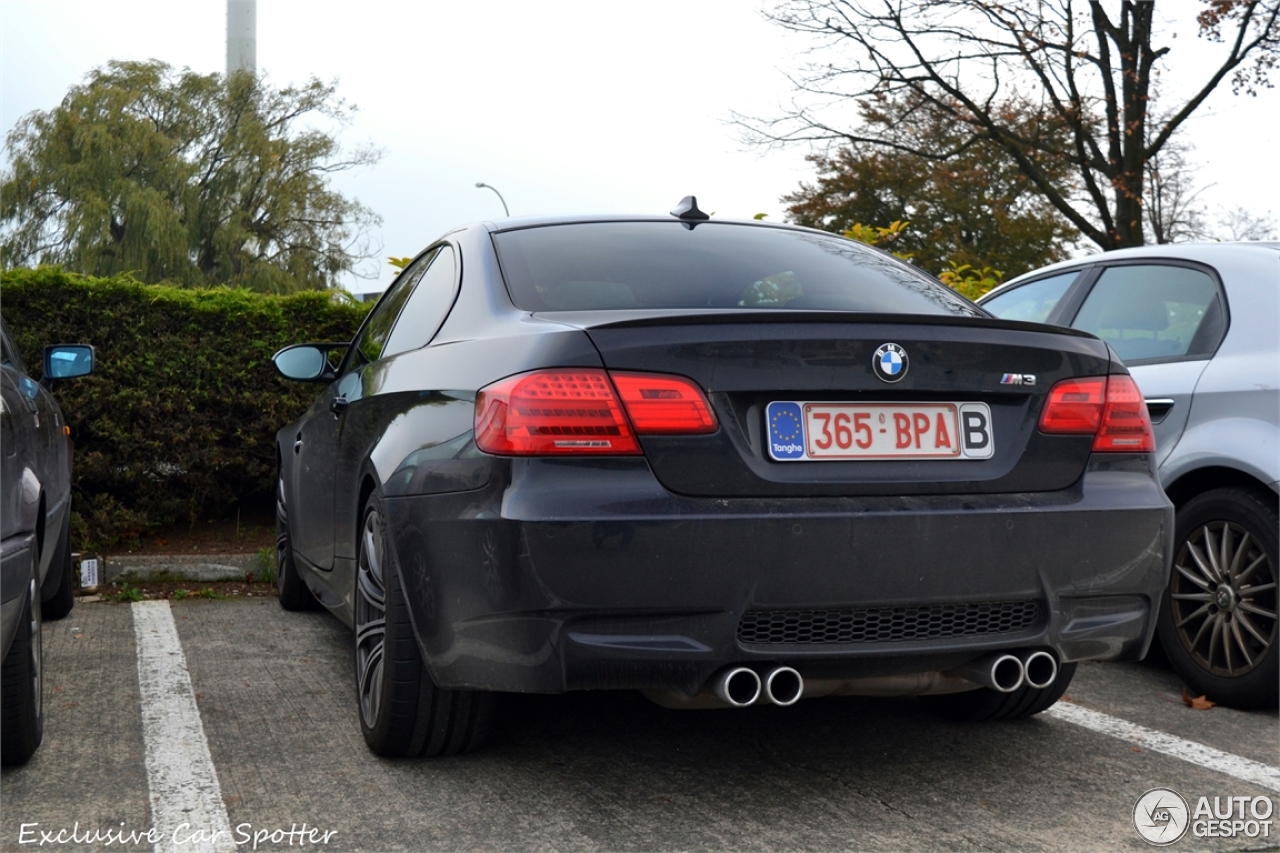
(1244,444)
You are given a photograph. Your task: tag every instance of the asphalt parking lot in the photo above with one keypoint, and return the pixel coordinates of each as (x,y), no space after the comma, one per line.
(231,725)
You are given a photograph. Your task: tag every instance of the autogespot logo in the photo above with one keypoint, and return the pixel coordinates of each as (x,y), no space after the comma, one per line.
(1161,816)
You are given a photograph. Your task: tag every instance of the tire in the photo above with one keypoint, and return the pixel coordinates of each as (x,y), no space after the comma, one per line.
(293,591)
(22,682)
(403,714)
(1218,618)
(58,605)
(985,705)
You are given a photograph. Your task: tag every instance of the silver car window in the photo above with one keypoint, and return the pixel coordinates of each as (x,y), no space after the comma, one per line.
(1033,301)
(1149,311)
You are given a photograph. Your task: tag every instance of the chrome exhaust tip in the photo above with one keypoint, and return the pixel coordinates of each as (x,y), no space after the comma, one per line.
(784,686)
(737,686)
(1001,672)
(1039,669)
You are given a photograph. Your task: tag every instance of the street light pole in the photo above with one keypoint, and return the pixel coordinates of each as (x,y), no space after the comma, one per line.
(480,184)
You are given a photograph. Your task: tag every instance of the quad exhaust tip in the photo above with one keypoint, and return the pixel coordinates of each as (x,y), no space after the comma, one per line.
(998,671)
(1005,672)
(742,686)
(784,686)
(737,686)
(1039,669)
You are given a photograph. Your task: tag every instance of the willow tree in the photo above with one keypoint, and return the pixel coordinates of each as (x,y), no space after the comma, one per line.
(1090,68)
(194,179)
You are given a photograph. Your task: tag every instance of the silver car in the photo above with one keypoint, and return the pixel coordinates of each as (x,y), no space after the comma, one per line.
(1197,325)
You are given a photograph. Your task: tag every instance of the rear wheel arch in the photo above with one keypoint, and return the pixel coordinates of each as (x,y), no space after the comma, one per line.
(368,485)
(1201,480)
(293,592)
(402,712)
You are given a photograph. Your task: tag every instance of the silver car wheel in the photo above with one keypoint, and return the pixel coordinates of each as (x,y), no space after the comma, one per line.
(1223,594)
(370,618)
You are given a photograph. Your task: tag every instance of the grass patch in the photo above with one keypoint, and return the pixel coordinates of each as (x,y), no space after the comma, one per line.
(188,591)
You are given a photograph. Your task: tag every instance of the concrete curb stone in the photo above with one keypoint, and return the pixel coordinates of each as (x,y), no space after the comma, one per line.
(181,567)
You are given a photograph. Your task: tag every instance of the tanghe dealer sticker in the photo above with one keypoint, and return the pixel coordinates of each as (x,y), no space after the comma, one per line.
(815,431)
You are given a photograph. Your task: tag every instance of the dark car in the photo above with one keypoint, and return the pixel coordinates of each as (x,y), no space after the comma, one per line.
(37,579)
(719,462)
(1197,324)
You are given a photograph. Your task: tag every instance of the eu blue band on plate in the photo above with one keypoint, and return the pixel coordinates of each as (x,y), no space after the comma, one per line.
(786,430)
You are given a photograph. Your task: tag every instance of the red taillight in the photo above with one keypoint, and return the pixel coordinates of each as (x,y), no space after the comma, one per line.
(1110,408)
(1075,406)
(661,404)
(1126,424)
(579,411)
(553,412)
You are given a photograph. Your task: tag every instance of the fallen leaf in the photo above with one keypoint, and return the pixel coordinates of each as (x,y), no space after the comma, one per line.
(1199,703)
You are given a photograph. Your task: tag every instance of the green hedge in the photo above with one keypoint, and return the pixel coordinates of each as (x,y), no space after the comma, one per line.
(177,422)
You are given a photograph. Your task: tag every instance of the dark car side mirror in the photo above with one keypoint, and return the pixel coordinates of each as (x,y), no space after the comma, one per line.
(67,361)
(306,362)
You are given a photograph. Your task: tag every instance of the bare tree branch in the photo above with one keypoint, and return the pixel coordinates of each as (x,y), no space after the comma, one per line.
(1086,72)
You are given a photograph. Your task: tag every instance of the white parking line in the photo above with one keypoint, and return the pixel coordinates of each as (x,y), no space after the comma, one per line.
(187,812)
(1245,769)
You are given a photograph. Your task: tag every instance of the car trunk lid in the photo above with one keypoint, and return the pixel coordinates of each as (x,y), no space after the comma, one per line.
(746,361)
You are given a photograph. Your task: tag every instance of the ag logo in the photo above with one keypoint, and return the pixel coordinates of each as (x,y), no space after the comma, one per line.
(890,362)
(1161,816)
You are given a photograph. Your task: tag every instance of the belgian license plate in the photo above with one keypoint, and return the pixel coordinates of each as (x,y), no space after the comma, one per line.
(800,431)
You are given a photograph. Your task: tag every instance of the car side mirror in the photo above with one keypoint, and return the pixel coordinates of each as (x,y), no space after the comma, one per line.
(67,361)
(306,362)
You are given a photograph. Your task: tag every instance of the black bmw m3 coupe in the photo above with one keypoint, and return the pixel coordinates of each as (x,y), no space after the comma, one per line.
(723,463)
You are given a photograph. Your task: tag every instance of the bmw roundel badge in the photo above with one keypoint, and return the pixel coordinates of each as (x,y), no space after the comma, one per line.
(890,362)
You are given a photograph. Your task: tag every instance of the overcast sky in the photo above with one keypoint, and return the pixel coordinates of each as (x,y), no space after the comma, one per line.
(566,107)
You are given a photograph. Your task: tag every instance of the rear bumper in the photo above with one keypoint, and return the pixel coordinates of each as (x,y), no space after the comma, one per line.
(588,574)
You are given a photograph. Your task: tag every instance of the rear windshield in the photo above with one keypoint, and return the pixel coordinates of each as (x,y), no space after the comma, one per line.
(602,266)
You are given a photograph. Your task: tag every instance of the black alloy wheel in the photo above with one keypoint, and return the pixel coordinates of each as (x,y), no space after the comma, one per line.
(986,705)
(402,712)
(293,591)
(22,681)
(1218,618)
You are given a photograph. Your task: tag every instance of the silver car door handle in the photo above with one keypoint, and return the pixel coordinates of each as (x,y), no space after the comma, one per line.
(1159,408)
